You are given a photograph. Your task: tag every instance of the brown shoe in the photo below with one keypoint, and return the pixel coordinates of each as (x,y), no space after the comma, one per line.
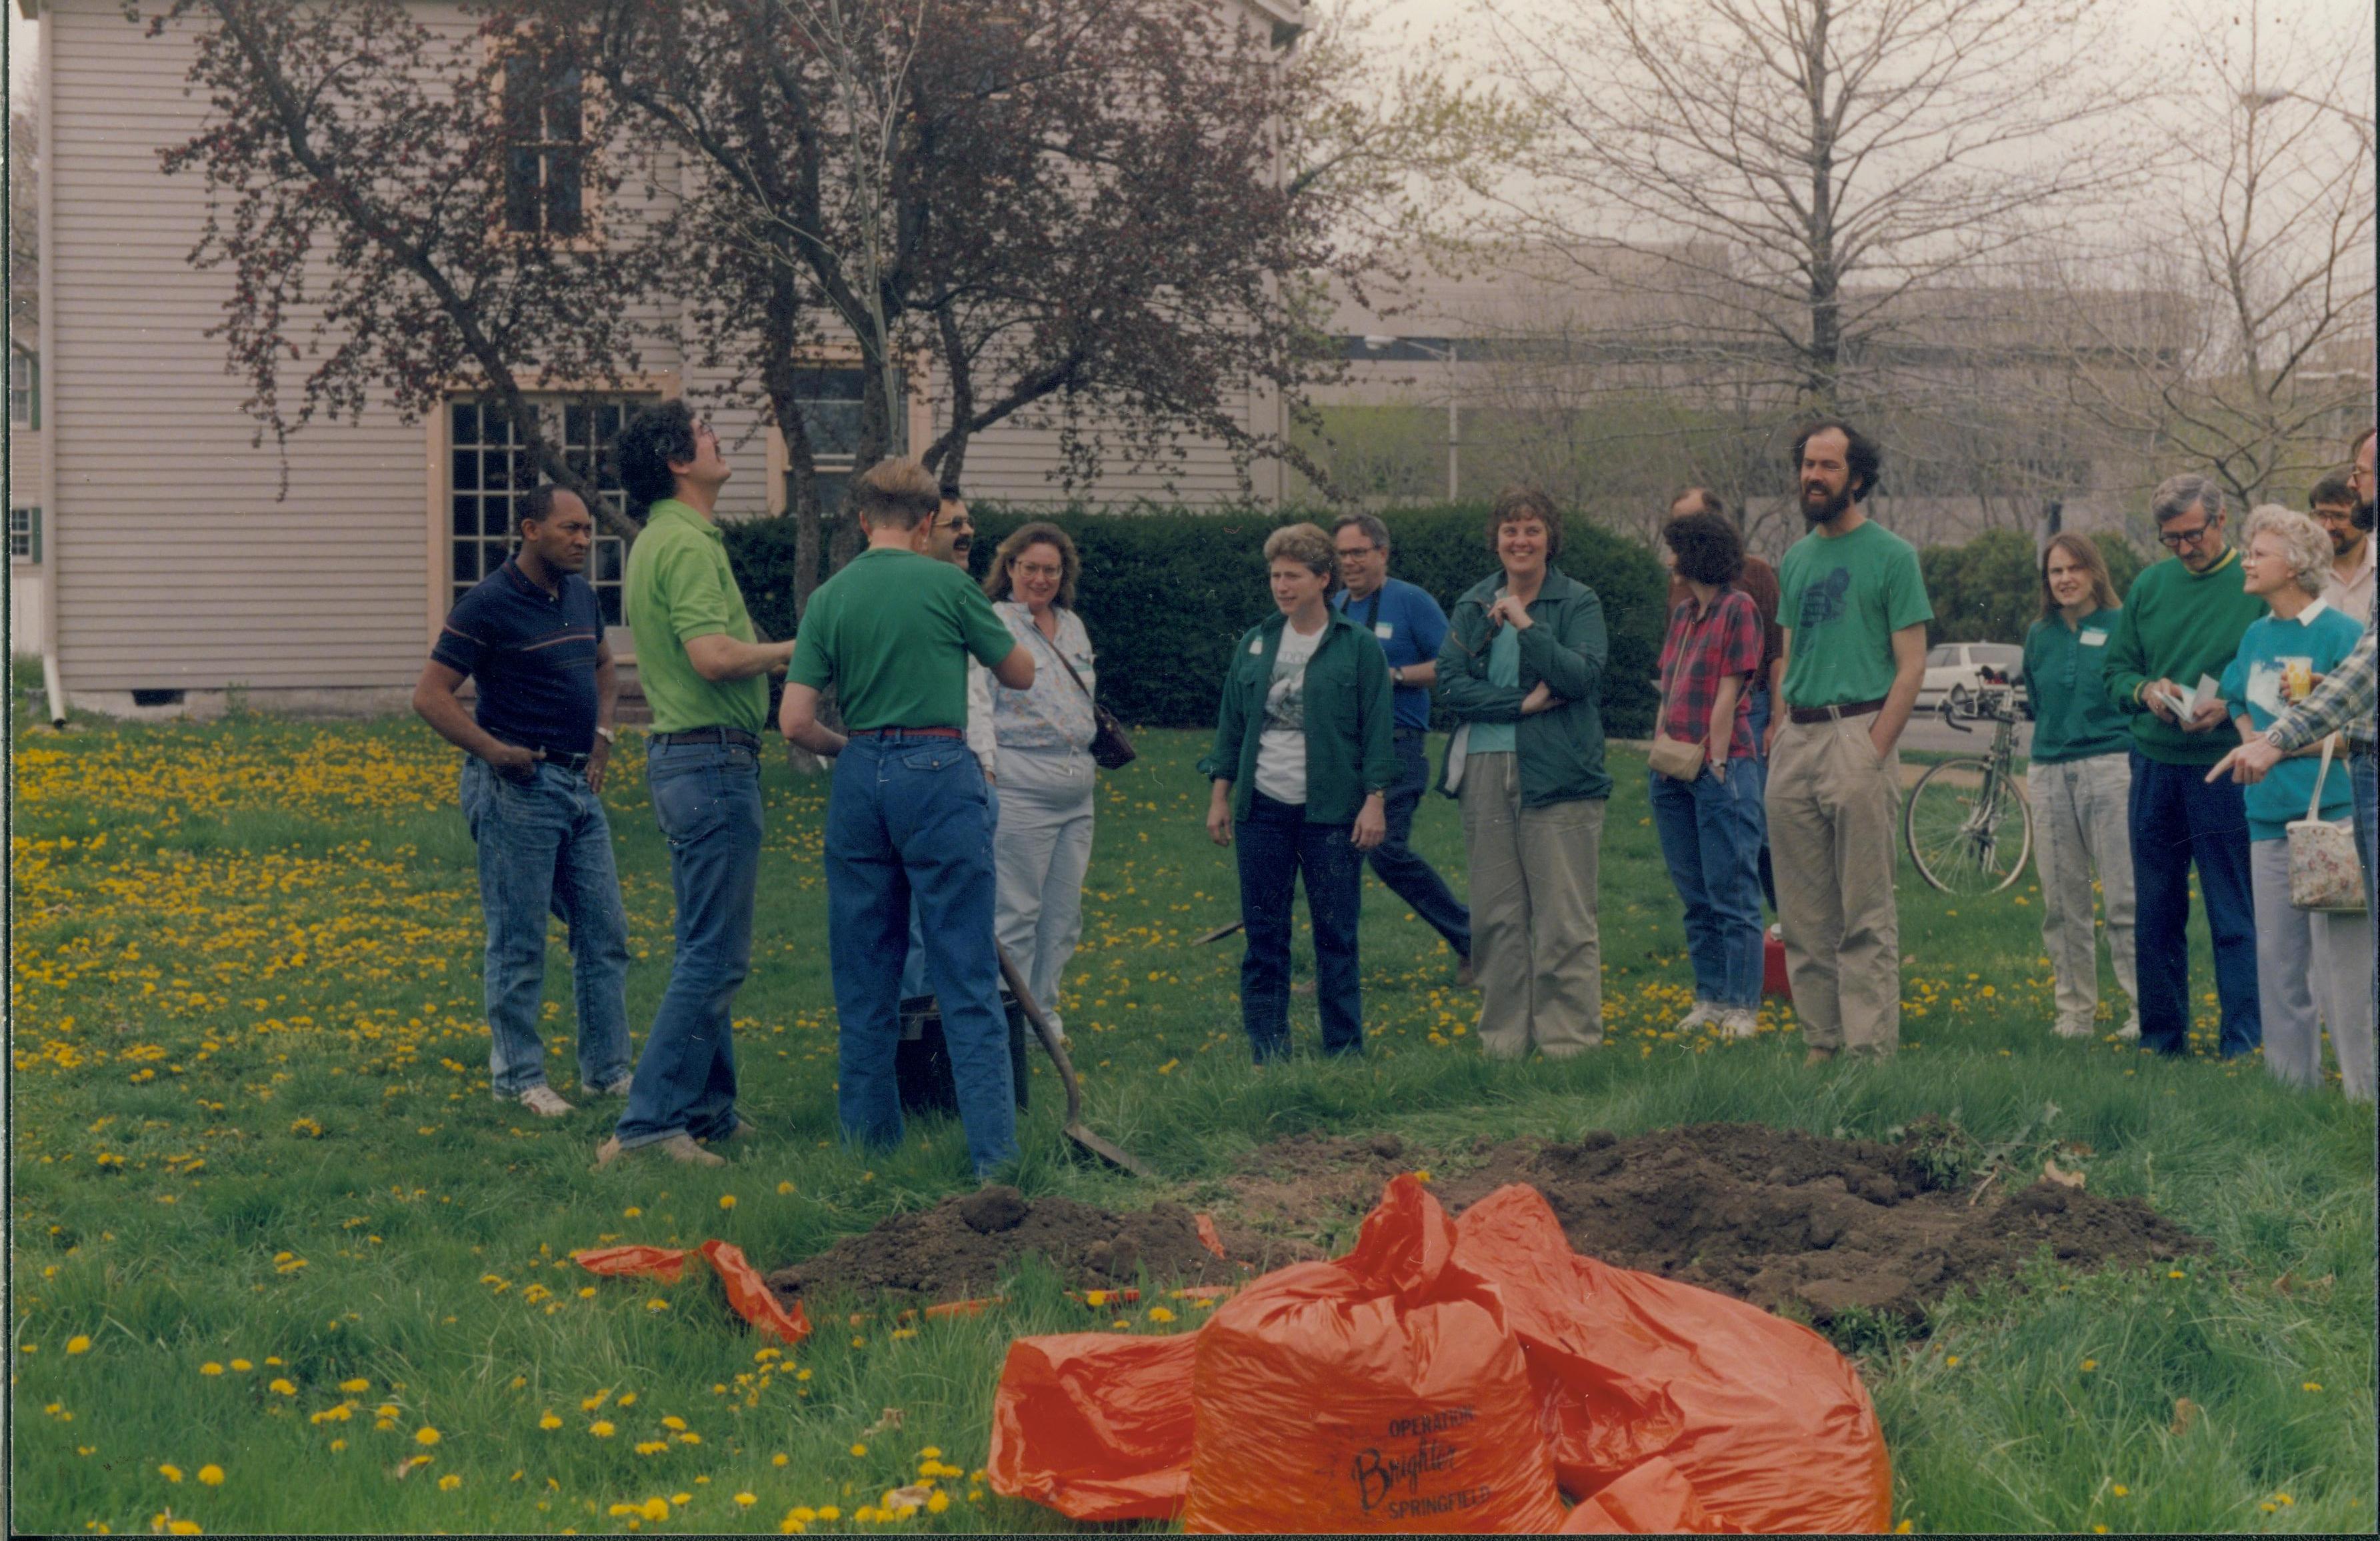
(1819,1057)
(743,1130)
(677,1148)
(1463,977)
(607,1153)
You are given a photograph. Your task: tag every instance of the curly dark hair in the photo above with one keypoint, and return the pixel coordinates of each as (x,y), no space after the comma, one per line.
(1519,502)
(654,437)
(1863,458)
(1707,546)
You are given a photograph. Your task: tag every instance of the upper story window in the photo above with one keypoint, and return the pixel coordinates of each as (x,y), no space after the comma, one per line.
(24,390)
(545,147)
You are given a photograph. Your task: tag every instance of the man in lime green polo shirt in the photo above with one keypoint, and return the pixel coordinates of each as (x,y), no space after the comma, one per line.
(705,680)
(891,633)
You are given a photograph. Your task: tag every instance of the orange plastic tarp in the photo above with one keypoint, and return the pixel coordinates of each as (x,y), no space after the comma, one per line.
(751,1297)
(1650,1405)
(664,1263)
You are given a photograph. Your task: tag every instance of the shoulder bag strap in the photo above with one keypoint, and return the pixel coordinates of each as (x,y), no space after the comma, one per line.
(2314,803)
(1060,655)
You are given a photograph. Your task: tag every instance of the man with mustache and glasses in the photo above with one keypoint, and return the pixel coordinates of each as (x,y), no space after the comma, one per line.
(1853,610)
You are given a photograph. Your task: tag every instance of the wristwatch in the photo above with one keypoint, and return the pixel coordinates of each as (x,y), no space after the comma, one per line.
(1397,673)
(607,735)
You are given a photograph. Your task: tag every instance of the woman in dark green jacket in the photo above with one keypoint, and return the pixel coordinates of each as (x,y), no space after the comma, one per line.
(1522,670)
(1303,760)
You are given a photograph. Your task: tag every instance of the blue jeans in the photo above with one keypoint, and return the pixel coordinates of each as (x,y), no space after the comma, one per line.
(2178,820)
(706,800)
(1710,833)
(1398,865)
(1762,706)
(913,968)
(1275,844)
(908,815)
(545,848)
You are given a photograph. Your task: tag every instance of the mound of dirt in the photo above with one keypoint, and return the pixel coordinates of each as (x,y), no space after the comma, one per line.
(965,1247)
(1778,1217)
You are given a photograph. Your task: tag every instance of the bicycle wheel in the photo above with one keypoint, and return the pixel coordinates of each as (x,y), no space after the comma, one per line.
(1968,830)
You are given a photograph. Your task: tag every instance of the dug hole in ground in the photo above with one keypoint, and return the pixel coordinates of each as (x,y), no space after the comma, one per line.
(1582,1346)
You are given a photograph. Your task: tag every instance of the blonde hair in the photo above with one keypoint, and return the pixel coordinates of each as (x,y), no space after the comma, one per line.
(2087,556)
(2304,546)
(1307,545)
(1037,533)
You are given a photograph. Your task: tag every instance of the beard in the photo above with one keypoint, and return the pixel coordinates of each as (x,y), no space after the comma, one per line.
(2362,518)
(1827,511)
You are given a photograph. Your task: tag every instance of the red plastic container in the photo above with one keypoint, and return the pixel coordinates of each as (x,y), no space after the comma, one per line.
(1772,971)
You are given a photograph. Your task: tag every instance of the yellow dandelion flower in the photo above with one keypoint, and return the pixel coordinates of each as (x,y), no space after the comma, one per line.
(242,1365)
(2120,1491)
(548,1421)
(632,1212)
(448,1483)
(601,1429)
(1159,1314)
(656,1509)
(727,1201)
(784,1187)
(211,1474)
(170,1472)
(281,1385)
(672,1421)
(778,1459)
(657,1305)
(2313,1386)
(425,1435)
(211,1368)
(354,1388)
(938,1503)
(78,1344)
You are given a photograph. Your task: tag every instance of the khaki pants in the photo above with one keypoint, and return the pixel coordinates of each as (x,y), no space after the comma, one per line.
(1833,809)
(1534,951)
(2081,820)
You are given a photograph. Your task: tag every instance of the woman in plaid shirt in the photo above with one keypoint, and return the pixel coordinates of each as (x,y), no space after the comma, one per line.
(1710,823)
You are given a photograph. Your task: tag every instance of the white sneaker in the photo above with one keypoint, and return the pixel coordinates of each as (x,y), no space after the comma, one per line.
(1740,1023)
(2073,1029)
(1703,1015)
(542,1100)
(617,1088)
(1058,1027)
(2130,1031)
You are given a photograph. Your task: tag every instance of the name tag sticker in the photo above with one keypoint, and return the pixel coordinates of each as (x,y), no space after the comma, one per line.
(2094,639)
(1384,631)
(1255,649)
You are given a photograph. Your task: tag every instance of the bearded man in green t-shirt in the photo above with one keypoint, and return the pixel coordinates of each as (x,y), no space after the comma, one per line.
(1853,610)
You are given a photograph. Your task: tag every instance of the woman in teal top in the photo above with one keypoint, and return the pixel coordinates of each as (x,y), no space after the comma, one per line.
(1522,670)
(2079,779)
(2312,968)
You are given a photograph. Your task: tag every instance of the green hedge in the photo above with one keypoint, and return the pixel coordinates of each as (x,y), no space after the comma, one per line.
(1165,594)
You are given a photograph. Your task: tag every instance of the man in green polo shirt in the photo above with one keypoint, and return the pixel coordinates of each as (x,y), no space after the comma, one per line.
(705,679)
(891,633)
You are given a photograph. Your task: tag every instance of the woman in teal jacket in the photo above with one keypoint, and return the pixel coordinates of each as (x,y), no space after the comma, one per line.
(1522,670)
(1303,759)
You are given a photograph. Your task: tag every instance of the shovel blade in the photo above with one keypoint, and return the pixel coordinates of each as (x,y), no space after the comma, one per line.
(1106,1150)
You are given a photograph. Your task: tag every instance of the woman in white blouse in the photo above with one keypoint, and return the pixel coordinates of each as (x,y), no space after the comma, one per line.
(1043,846)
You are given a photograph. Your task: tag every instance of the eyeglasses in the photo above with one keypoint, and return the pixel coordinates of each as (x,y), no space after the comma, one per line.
(2174,540)
(1347,552)
(1036,570)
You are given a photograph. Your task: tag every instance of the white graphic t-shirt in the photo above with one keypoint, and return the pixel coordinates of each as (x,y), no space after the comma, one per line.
(1281,748)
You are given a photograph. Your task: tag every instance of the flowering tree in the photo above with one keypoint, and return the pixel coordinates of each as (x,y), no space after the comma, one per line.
(404,209)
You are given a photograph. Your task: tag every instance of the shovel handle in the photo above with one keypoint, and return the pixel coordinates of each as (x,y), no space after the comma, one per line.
(1048,1034)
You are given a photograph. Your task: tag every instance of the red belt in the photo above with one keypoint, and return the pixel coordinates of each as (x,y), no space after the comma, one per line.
(908,733)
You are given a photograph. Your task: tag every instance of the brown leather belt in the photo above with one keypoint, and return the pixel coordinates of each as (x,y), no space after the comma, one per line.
(1834,713)
(908,733)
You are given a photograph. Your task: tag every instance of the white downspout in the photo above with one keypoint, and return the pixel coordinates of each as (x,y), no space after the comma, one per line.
(45,291)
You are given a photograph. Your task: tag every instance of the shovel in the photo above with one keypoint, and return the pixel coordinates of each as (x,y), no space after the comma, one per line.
(1106,1150)
(1217,934)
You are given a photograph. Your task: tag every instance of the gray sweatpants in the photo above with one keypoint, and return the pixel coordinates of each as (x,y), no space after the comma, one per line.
(2081,822)
(1041,851)
(2313,970)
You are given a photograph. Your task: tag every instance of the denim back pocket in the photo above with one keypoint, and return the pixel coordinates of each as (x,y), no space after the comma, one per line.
(686,804)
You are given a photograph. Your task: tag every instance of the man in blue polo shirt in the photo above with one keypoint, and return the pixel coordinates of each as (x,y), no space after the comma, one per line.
(532,634)
(1410,627)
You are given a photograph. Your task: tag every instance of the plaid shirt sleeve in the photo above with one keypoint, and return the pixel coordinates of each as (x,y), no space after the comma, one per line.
(2344,699)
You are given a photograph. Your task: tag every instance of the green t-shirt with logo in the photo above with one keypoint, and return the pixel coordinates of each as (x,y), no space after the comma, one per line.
(679,585)
(891,633)
(1843,598)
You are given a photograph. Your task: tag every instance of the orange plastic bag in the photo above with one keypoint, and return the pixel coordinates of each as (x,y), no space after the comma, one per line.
(1768,1427)
(751,1297)
(1382,1391)
(1657,1406)
(664,1263)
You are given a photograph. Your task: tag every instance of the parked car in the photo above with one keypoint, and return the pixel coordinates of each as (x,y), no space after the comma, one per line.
(1955,671)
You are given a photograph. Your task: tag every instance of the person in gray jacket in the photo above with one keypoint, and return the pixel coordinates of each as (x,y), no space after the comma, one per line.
(1522,670)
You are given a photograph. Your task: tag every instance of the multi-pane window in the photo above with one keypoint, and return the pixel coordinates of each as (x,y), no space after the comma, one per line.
(24,535)
(830,403)
(545,147)
(491,470)
(24,390)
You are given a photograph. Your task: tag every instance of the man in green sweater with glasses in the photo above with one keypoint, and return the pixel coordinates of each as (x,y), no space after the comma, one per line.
(2183,620)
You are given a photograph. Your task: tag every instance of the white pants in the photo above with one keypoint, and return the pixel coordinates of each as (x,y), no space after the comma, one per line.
(2081,820)
(2313,970)
(1041,851)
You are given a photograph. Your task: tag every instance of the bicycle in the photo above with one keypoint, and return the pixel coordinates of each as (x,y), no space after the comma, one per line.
(1968,826)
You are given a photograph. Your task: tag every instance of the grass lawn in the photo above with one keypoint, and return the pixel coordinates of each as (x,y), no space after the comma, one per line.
(271,1236)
